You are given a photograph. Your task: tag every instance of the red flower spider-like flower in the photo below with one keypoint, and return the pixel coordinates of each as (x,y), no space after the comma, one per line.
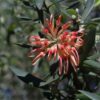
(59,43)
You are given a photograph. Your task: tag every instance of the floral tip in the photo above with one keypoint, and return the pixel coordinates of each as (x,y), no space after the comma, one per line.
(42,54)
(65,26)
(45,30)
(60,66)
(58,21)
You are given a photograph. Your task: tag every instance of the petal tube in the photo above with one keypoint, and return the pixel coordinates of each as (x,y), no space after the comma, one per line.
(66,66)
(76,55)
(40,55)
(58,21)
(73,62)
(60,66)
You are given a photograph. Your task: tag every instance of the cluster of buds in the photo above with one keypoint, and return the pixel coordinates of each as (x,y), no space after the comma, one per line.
(59,43)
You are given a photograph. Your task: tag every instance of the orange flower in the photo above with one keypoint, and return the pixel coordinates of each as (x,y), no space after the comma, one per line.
(59,43)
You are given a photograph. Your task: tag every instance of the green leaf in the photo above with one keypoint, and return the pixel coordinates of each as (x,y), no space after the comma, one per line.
(50,80)
(39,3)
(89,41)
(92,63)
(27,77)
(55,2)
(91,66)
(55,7)
(73,4)
(25,18)
(27,3)
(72,13)
(96,20)
(97,3)
(81,97)
(18,72)
(23,45)
(92,96)
(94,56)
(88,8)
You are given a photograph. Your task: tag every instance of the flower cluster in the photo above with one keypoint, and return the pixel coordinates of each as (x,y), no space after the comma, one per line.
(59,42)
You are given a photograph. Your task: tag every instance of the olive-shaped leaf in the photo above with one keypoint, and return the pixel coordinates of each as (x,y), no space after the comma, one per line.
(89,6)
(39,3)
(92,96)
(26,77)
